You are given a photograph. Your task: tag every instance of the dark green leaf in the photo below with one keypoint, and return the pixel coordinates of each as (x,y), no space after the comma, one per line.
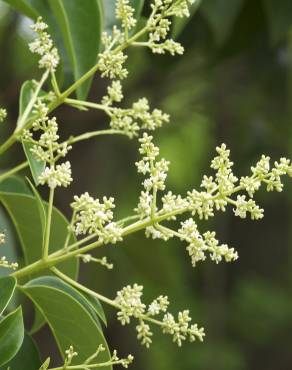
(36,167)
(27,358)
(80,24)
(55,282)
(279,18)
(23,210)
(11,335)
(41,207)
(95,303)
(221,17)
(7,287)
(23,7)
(70,322)
(14,184)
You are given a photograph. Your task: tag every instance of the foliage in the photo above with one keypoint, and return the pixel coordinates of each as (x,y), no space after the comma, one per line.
(52,241)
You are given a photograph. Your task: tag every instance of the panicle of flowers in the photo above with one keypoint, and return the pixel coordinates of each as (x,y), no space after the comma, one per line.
(217,194)
(159,25)
(48,149)
(112,58)
(86,258)
(138,117)
(130,305)
(156,170)
(70,354)
(3,114)
(125,13)
(43,46)
(91,216)
(199,244)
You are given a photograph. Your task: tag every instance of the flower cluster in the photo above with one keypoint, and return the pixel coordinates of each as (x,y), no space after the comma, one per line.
(217,194)
(3,114)
(159,25)
(48,149)
(89,362)
(138,117)
(112,59)
(91,216)
(131,120)
(157,173)
(129,301)
(44,47)
(125,13)
(86,258)
(199,244)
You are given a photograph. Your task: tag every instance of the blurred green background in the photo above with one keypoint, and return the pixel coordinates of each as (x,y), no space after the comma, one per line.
(233,85)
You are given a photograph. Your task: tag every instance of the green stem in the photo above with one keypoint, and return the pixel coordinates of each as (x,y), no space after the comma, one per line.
(21,122)
(89,135)
(61,98)
(87,104)
(84,289)
(48,225)
(13,171)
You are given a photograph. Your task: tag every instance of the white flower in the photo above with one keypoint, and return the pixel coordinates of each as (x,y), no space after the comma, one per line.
(59,176)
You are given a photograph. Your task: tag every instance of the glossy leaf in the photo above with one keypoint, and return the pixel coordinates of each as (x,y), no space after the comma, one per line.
(70,322)
(41,207)
(95,303)
(80,24)
(36,167)
(55,282)
(23,210)
(23,7)
(27,357)
(7,287)
(11,335)
(14,184)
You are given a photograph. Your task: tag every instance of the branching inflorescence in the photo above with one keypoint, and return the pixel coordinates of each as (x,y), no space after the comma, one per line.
(93,219)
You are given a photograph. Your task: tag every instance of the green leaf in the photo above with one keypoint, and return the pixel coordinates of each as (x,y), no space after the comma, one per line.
(27,358)
(23,7)
(24,212)
(7,287)
(14,184)
(221,17)
(55,282)
(80,24)
(11,335)
(36,167)
(41,208)
(70,322)
(279,17)
(95,303)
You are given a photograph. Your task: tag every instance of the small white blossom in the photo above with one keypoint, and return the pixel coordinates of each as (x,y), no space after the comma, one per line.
(59,176)
(43,46)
